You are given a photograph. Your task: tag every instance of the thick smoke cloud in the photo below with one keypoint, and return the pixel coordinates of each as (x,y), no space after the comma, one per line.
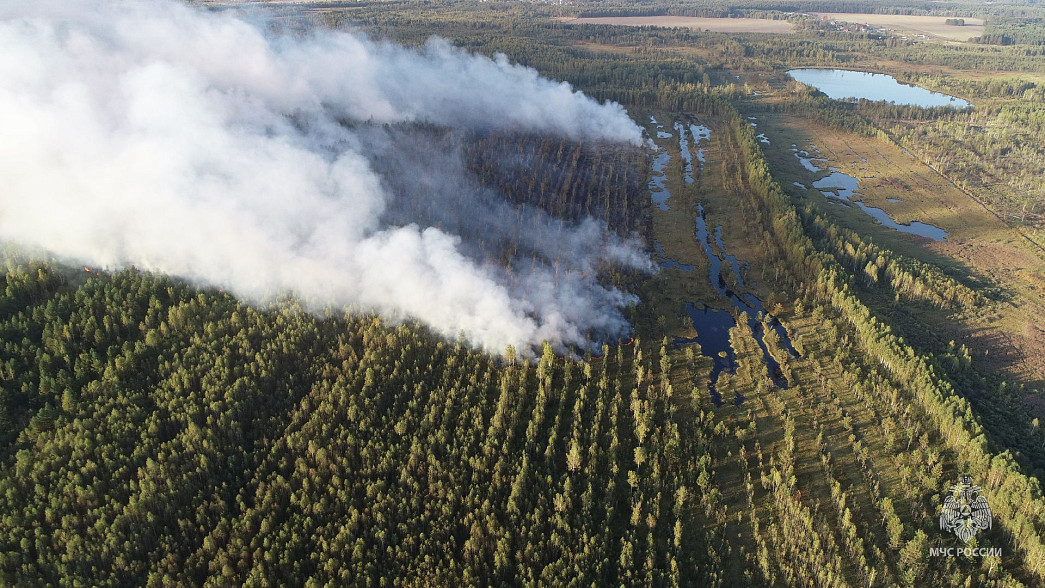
(191,143)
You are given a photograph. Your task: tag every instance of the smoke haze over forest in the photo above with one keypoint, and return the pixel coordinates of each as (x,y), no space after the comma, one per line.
(194,143)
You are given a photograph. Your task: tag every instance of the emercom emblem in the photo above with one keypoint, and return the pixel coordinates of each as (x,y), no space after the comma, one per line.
(965,511)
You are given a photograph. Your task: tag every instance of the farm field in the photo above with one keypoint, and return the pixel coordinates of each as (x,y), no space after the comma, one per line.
(930,26)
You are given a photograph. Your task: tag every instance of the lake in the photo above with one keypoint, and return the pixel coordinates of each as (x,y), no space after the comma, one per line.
(842,84)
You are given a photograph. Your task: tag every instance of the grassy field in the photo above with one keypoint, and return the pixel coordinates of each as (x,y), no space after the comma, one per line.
(720,25)
(930,26)
(979,246)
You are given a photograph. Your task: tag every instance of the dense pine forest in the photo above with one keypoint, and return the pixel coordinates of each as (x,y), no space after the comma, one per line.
(157,432)
(161,435)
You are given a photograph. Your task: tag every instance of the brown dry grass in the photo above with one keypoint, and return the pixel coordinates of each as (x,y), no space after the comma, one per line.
(978,243)
(931,26)
(721,25)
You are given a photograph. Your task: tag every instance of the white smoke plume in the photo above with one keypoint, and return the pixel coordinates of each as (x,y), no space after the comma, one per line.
(156,135)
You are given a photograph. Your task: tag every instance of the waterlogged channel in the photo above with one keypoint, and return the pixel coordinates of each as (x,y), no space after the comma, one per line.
(915,228)
(658,191)
(687,157)
(713,325)
(668,263)
(844,187)
(837,185)
(690,137)
(700,134)
(697,134)
(710,324)
(806,157)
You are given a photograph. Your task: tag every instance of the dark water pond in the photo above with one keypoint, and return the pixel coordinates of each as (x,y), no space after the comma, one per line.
(712,328)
